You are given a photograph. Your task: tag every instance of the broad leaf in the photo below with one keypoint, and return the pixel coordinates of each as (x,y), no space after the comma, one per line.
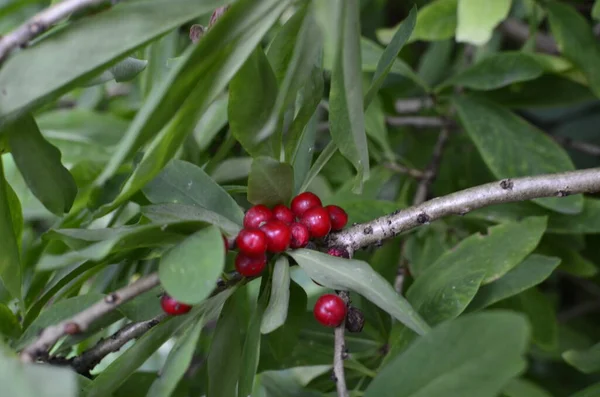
(587,361)
(276,312)
(436,21)
(10,262)
(358,276)
(530,272)
(542,317)
(476,20)
(190,270)
(511,147)
(475,356)
(270,182)
(39,163)
(184,183)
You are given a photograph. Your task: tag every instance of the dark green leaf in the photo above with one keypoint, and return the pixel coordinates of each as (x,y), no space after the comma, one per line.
(587,361)
(592,391)
(403,32)
(184,183)
(10,262)
(530,272)
(474,356)
(277,310)
(189,271)
(39,163)
(542,317)
(270,182)
(346,115)
(358,276)
(9,325)
(520,387)
(511,147)
(143,307)
(377,129)
(576,40)
(497,70)
(318,165)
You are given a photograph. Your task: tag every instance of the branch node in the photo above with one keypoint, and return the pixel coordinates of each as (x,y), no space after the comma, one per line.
(72,328)
(506,184)
(423,219)
(368,230)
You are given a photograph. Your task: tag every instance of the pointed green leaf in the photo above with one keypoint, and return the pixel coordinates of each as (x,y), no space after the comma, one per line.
(270,182)
(511,147)
(587,361)
(39,163)
(358,276)
(476,20)
(277,310)
(436,21)
(9,324)
(10,262)
(189,271)
(474,356)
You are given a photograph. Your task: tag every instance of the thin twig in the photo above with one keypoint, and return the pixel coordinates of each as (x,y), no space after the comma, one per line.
(41,22)
(413,105)
(418,121)
(339,352)
(519,31)
(84,363)
(412,172)
(432,169)
(465,201)
(81,321)
(583,147)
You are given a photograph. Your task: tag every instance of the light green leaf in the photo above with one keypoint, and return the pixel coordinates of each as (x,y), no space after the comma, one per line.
(184,183)
(476,20)
(436,21)
(495,71)
(277,309)
(358,276)
(475,356)
(586,361)
(403,32)
(596,10)
(10,261)
(270,182)
(346,115)
(530,272)
(39,163)
(211,122)
(511,147)
(125,70)
(576,40)
(189,271)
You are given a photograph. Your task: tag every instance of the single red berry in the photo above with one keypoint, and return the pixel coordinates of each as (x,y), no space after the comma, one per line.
(256,216)
(252,242)
(249,266)
(330,310)
(172,306)
(278,236)
(339,252)
(317,221)
(300,235)
(338,217)
(305,201)
(283,213)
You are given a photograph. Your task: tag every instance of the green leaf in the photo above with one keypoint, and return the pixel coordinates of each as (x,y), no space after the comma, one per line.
(39,163)
(477,20)
(9,324)
(144,306)
(497,70)
(270,182)
(125,70)
(184,183)
(576,40)
(10,262)
(346,115)
(189,271)
(178,361)
(277,309)
(377,129)
(252,96)
(318,165)
(586,361)
(403,32)
(358,276)
(511,147)
(520,387)
(591,391)
(542,317)
(71,58)
(530,272)
(475,356)
(211,122)
(596,10)
(436,21)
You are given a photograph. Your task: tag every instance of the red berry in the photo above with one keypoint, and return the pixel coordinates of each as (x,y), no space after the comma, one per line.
(330,310)
(305,201)
(278,236)
(283,213)
(339,252)
(300,235)
(249,266)
(338,217)
(172,306)
(317,221)
(252,242)
(256,216)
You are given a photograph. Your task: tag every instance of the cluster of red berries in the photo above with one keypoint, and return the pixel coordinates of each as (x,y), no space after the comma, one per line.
(274,230)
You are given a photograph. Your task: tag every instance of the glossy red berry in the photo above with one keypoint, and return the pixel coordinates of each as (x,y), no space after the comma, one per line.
(317,221)
(283,213)
(338,217)
(339,252)
(256,216)
(300,235)
(249,266)
(305,201)
(252,242)
(278,235)
(330,310)
(172,307)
